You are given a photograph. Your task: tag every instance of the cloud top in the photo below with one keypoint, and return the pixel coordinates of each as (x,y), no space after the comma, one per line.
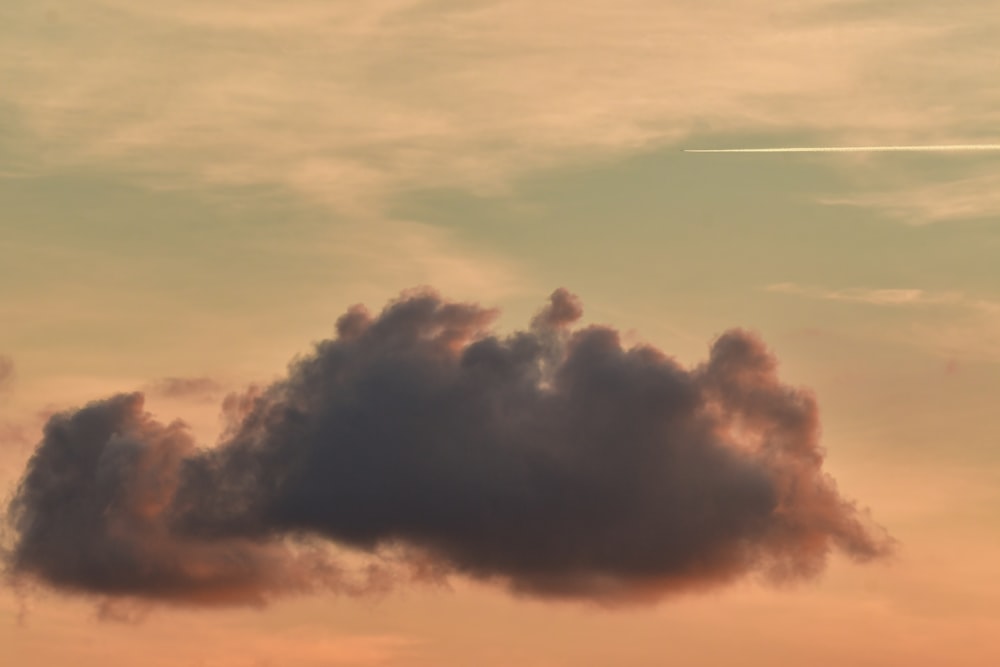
(553,461)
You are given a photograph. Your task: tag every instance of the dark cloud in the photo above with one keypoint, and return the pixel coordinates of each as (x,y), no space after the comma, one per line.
(92,515)
(552,460)
(183,387)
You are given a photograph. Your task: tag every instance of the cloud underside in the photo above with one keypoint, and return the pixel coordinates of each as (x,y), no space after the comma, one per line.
(552,461)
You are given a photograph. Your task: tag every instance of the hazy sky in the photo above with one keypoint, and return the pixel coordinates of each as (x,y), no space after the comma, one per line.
(193,194)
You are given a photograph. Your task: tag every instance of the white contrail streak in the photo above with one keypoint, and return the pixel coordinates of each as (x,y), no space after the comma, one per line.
(852,149)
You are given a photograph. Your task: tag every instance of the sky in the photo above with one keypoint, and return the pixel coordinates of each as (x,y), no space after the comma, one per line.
(405,333)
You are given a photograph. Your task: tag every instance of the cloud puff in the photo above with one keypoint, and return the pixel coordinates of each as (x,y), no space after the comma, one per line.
(92,514)
(552,460)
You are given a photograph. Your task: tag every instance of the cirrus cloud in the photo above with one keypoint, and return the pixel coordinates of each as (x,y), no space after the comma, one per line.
(346,103)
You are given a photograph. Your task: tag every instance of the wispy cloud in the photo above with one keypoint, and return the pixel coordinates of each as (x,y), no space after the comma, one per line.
(969,329)
(186,387)
(878,297)
(345,102)
(975,196)
(6,373)
(947,148)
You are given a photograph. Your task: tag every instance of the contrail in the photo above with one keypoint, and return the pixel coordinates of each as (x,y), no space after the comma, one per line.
(853,149)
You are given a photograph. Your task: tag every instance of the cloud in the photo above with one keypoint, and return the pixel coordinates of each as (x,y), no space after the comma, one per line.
(953,324)
(874,297)
(344,103)
(552,461)
(185,387)
(975,196)
(91,515)
(6,373)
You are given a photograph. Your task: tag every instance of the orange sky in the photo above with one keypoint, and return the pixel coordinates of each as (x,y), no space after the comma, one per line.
(199,191)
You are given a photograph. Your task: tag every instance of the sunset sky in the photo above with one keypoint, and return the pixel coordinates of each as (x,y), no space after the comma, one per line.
(195,193)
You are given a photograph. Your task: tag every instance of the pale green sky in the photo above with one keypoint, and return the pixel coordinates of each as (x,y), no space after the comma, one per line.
(199,189)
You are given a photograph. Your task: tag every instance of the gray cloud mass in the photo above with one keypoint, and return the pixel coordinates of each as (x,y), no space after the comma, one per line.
(552,460)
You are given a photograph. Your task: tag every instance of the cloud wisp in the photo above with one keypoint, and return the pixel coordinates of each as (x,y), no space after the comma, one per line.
(346,103)
(976,196)
(942,148)
(6,373)
(953,324)
(874,296)
(552,461)
(185,387)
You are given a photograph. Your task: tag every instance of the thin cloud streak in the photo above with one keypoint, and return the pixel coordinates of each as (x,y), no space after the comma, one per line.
(968,329)
(6,373)
(875,297)
(943,148)
(972,197)
(185,387)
